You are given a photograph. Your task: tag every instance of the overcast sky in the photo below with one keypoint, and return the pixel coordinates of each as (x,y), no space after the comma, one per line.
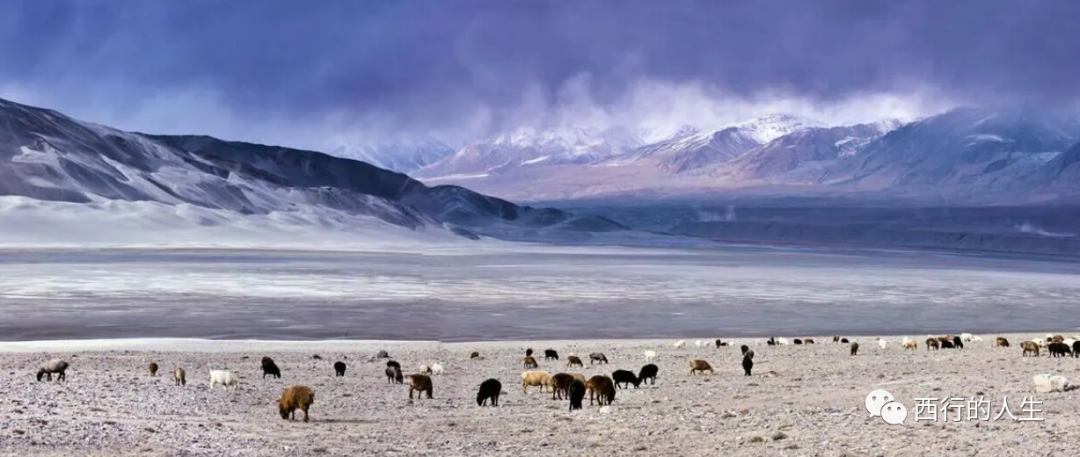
(311,73)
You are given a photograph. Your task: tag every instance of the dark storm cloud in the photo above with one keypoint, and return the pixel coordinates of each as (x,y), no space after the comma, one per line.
(430,63)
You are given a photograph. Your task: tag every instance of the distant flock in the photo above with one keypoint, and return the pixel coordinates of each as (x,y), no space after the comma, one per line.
(574,386)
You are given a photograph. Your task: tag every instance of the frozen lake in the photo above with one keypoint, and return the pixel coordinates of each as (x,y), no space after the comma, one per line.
(539,294)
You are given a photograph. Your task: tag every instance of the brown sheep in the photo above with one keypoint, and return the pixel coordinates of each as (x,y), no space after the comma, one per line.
(836,338)
(530,362)
(474,356)
(178,376)
(1001,341)
(808,341)
(911,344)
(700,366)
(1030,347)
(574,360)
(560,384)
(1057,339)
(421,383)
(597,357)
(854,347)
(535,378)
(153,369)
(293,398)
(933,343)
(57,366)
(602,389)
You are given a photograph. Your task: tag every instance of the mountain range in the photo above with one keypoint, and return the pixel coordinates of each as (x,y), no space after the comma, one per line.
(964,155)
(46,156)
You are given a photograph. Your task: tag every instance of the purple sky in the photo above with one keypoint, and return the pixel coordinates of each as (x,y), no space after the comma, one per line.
(297,72)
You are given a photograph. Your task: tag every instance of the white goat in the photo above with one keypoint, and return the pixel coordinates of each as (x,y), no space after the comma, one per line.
(223,377)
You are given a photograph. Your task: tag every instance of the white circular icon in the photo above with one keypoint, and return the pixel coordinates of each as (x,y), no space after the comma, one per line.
(893,413)
(876,400)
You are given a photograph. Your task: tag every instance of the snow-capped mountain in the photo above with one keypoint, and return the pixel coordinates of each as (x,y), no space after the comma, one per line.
(530,147)
(403,155)
(804,155)
(48,157)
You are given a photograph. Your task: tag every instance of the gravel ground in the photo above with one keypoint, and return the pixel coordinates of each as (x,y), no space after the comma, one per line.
(803,400)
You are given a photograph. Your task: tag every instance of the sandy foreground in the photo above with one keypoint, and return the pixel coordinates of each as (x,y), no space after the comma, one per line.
(806,400)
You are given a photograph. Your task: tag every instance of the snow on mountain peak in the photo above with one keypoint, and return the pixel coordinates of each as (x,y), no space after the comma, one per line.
(764,129)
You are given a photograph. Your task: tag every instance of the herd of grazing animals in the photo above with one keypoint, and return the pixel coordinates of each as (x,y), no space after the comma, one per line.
(573,386)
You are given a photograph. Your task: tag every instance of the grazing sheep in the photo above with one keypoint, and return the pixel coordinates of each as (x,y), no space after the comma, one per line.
(808,341)
(1076,349)
(1058,349)
(179,377)
(577,393)
(393,375)
(560,385)
(530,362)
(317,357)
(1057,339)
(854,348)
(881,343)
(392,363)
(747,364)
(270,368)
(650,355)
(648,372)
(597,357)
(967,337)
(578,376)
(700,343)
(797,341)
(47,369)
(771,342)
(293,398)
(574,360)
(1030,347)
(550,354)
(782,342)
(744,348)
(535,378)
(382,355)
(700,366)
(720,343)
(836,338)
(528,352)
(957,342)
(153,369)
(844,340)
(420,383)
(1001,341)
(474,356)
(749,354)
(946,344)
(933,343)
(602,388)
(490,388)
(911,344)
(225,378)
(625,378)
(679,345)
(425,369)
(437,368)
(1046,383)
(339,368)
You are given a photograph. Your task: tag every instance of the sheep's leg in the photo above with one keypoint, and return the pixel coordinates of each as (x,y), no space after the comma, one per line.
(305,414)
(429,391)
(410,393)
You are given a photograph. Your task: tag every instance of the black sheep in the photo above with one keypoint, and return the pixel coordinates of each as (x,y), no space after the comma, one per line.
(490,388)
(744,349)
(392,363)
(626,378)
(550,354)
(946,344)
(270,368)
(1076,349)
(339,369)
(528,352)
(382,355)
(648,372)
(797,341)
(577,394)
(956,341)
(771,342)
(720,343)
(393,374)
(747,364)
(844,340)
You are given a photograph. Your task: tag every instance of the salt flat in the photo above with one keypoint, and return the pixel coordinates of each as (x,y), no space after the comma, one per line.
(801,400)
(522,291)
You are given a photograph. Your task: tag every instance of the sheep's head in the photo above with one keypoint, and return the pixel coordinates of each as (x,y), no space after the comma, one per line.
(40,374)
(282,409)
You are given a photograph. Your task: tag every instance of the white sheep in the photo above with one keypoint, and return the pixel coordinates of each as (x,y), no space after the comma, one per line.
(680,343)
(535,378)
(881,343)
(906,340)
(650,355)
(1046,383)
(782,341)
(425,369)
(437,368)
(223,377)
(699,343)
